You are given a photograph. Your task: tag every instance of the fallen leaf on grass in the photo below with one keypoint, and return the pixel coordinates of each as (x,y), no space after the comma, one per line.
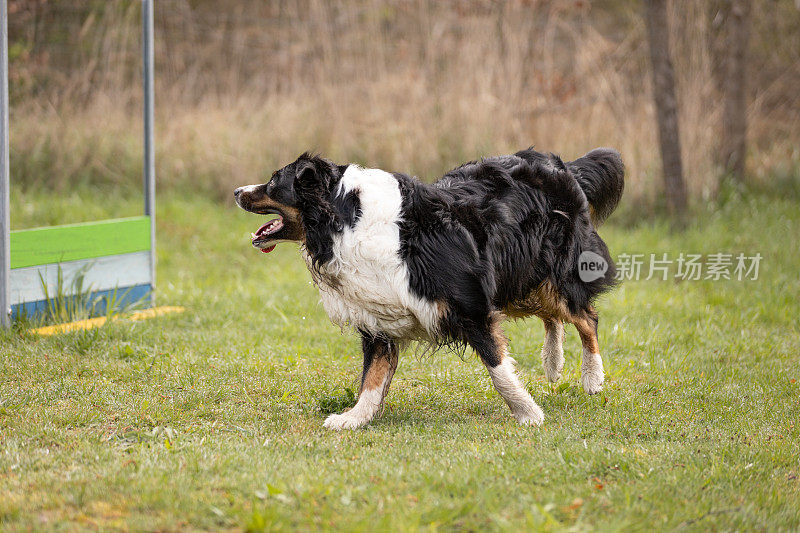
(576,504)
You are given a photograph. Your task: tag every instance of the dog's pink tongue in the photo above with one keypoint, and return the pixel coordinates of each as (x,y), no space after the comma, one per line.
(268,250)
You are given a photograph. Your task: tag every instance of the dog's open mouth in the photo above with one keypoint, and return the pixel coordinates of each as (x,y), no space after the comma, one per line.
(266,234)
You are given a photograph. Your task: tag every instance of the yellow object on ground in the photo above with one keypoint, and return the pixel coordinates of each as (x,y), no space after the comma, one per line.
(90,323)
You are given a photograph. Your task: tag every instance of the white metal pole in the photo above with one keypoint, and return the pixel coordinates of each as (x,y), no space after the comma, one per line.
(148,69)
(5,192)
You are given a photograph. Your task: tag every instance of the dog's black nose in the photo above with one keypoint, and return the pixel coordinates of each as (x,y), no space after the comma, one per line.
(237,192)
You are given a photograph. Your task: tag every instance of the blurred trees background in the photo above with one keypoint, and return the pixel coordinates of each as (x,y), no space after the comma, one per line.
(411,85)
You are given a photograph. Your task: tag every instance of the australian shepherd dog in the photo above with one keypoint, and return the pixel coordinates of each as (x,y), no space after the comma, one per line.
(401,260)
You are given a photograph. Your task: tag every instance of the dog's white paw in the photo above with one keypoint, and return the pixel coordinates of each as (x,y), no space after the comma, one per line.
(592,383)
(530,415)
(592,375)
(344,421)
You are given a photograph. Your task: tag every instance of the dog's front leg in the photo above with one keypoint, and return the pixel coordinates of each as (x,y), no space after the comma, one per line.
(380,362)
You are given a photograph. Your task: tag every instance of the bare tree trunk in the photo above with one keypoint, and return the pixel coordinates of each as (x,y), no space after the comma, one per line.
(734,120)
(666,105)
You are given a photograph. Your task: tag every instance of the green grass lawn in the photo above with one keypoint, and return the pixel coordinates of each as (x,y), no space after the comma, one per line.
(212,419)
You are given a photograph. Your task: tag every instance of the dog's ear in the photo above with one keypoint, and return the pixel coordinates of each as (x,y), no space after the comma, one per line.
(309,176)
(305,171)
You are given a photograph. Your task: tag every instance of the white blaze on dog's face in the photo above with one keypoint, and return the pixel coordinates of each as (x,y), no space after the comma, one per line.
(276,197)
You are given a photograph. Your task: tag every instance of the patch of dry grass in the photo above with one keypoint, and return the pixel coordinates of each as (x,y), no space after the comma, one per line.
(413,86)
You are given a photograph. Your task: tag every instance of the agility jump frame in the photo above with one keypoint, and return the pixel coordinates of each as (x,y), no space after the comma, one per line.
(114,256)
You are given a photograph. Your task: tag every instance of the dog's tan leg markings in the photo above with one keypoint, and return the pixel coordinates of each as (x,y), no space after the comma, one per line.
(380,363)
(592,375)
(504,377)
(553,349)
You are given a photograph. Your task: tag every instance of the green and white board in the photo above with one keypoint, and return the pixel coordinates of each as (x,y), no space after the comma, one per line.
(114,258)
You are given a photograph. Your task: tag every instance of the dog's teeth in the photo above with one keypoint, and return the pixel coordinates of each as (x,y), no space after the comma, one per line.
(252,235)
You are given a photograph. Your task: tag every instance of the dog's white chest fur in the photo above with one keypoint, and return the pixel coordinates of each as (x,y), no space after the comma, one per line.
(366,284)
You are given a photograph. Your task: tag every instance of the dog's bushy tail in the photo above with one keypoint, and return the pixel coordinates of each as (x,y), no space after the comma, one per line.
(600,173)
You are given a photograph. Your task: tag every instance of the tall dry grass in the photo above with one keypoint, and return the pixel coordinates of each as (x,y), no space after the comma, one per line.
(409,85)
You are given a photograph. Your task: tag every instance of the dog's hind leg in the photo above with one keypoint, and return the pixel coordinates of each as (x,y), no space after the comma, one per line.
(553,348)
(380,362)
(492,347)
(592,375)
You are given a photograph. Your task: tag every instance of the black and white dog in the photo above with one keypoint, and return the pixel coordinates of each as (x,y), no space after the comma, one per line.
(401,260)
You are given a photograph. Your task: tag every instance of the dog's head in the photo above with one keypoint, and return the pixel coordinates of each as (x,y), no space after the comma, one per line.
(288,194)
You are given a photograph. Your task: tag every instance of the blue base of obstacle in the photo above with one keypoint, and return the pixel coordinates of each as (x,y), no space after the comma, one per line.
(138,295)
